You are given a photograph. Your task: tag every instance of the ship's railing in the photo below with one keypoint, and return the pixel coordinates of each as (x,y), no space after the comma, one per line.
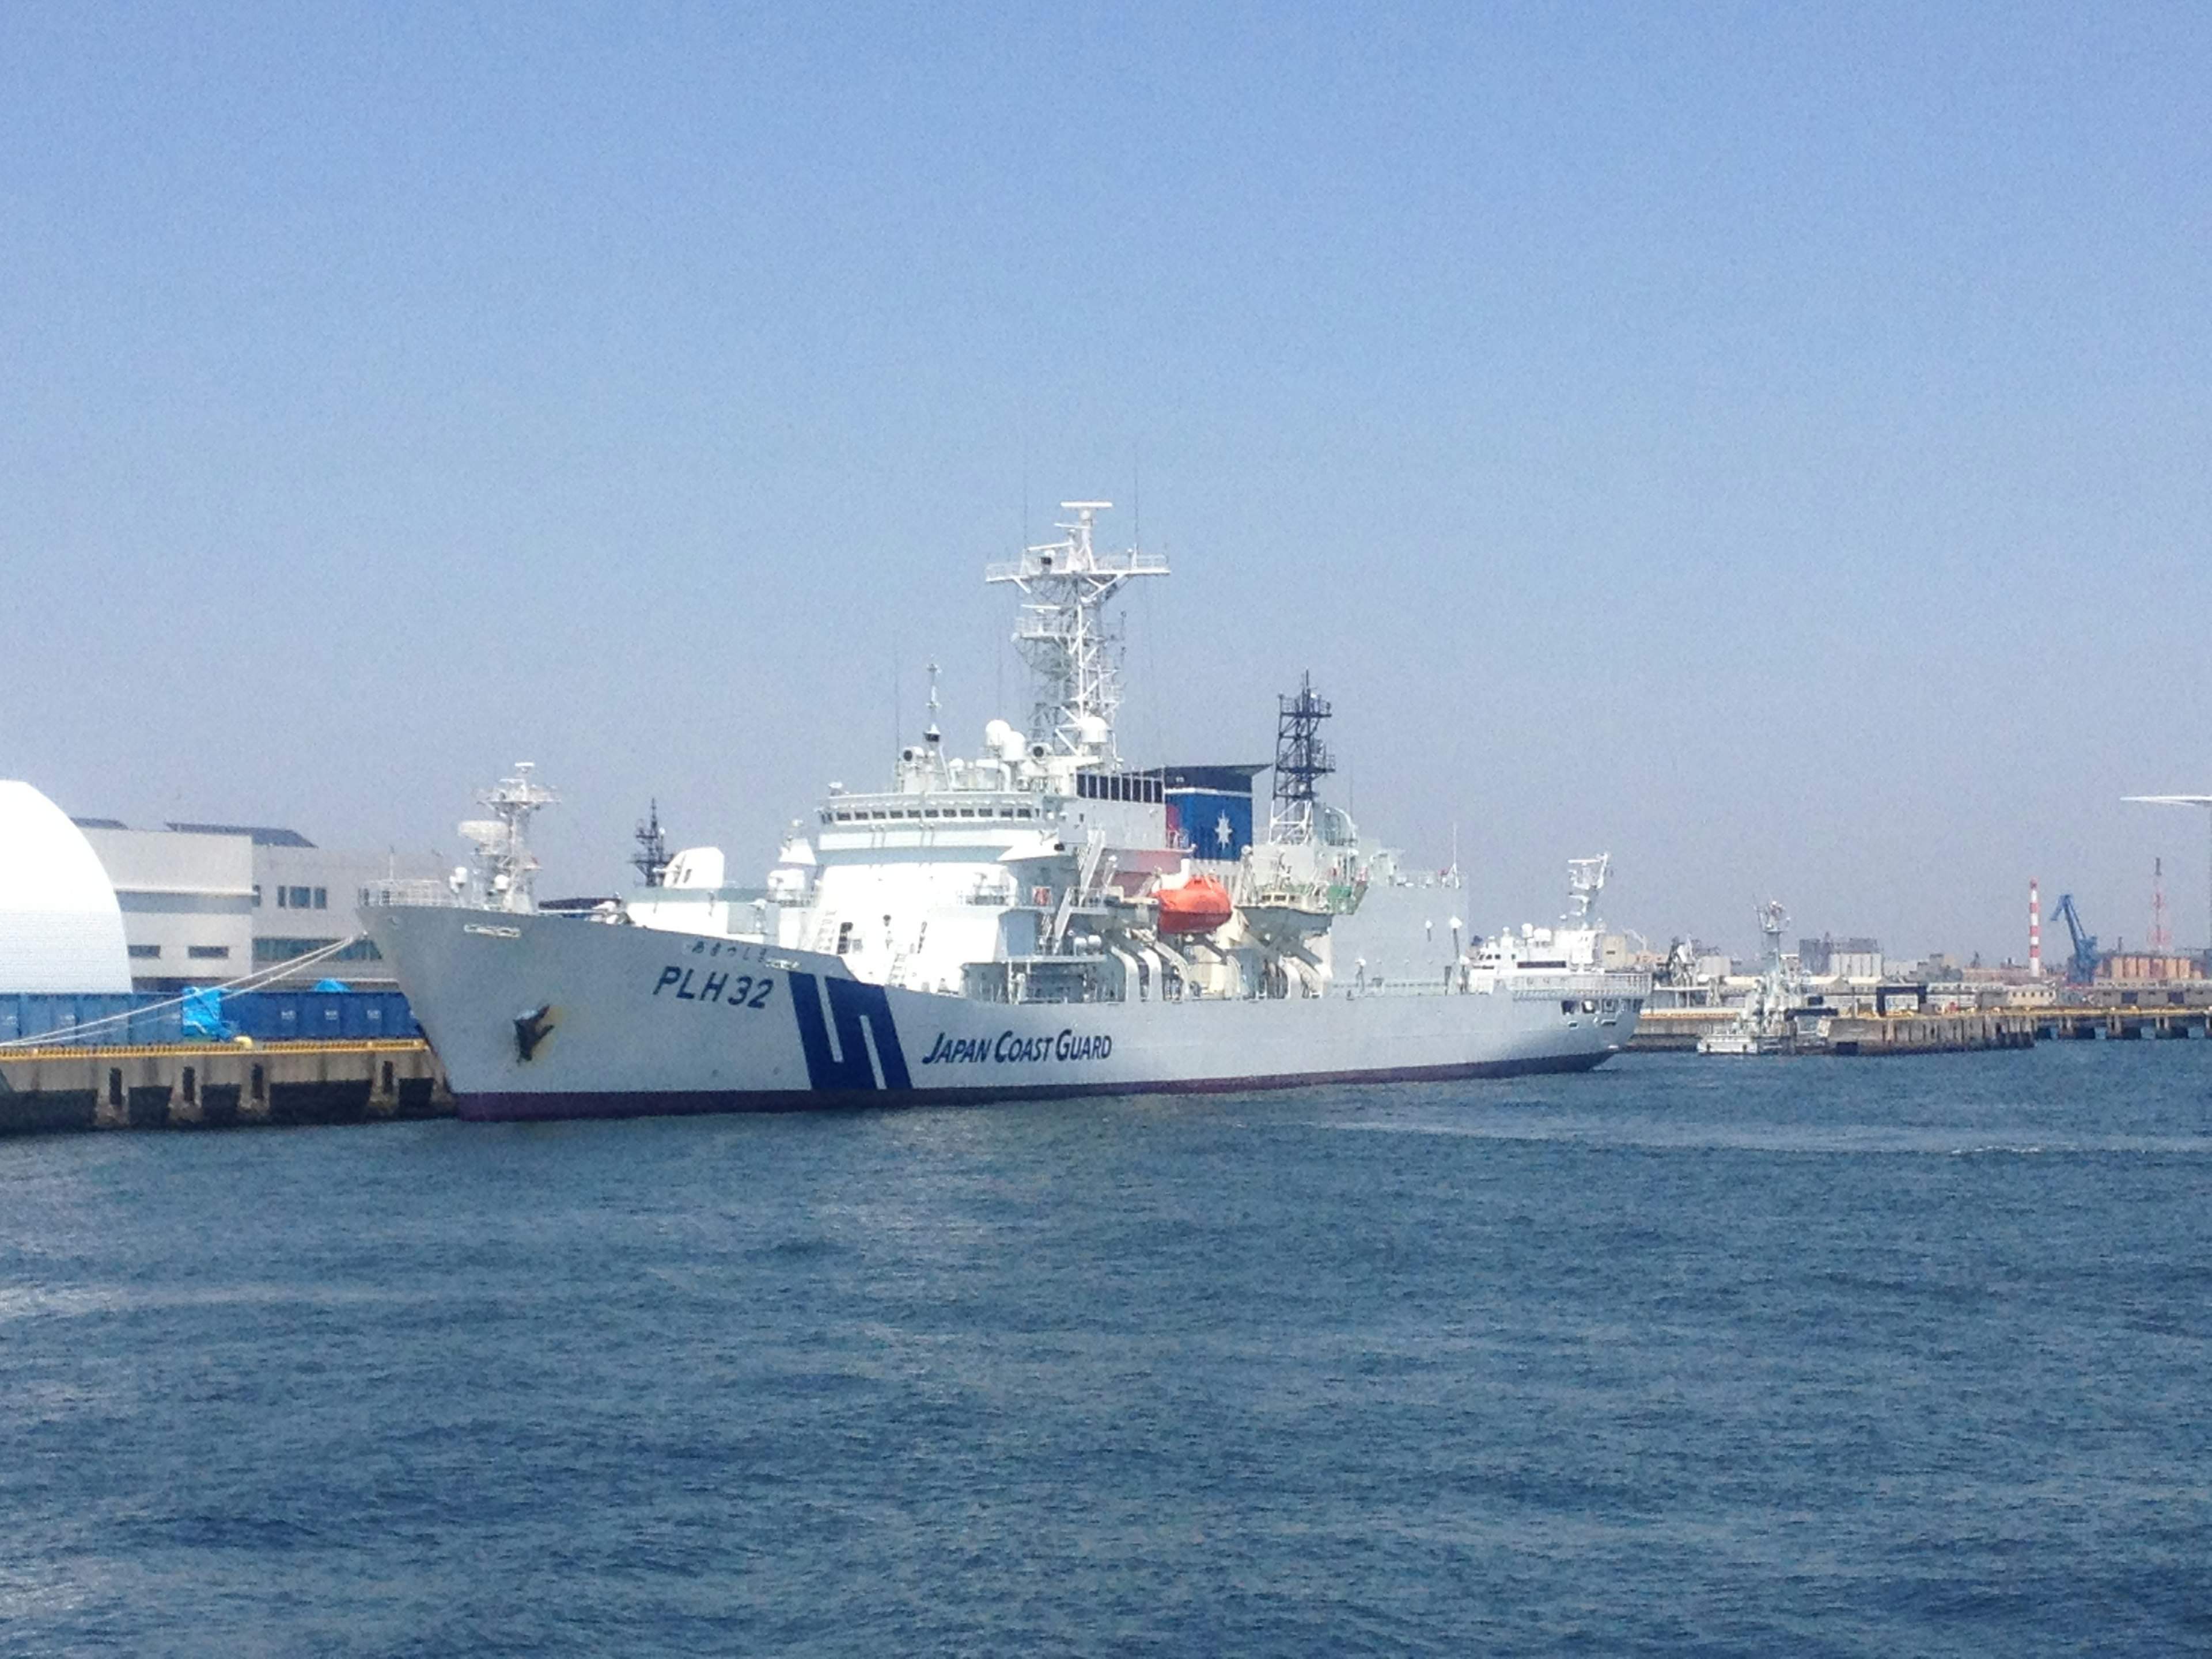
(380,895)
(1102,564)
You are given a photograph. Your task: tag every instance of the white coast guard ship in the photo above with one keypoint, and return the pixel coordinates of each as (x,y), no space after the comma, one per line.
(1039,919)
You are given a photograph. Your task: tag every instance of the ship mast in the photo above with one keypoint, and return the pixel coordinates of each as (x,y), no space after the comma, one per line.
(1302,760)
(651,858)
(1586,880)
(1072,651)
(506,870)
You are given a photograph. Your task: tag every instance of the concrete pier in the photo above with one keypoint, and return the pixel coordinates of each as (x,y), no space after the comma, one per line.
(2118,1023)
(1929,1034)
(216,1086)
(1678,1029)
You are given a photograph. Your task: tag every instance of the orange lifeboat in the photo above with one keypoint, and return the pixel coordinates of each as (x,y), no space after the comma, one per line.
(1199,906)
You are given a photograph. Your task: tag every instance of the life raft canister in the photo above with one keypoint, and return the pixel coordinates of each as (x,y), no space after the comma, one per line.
(1199,906)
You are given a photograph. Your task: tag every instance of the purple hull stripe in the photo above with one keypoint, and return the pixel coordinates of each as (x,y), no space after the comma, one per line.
(641,1103)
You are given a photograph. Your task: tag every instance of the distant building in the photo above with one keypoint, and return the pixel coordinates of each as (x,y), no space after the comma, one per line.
(187,903)
(1619,952)
(2146,965)
(308,898)
(1841,958)
(203,904)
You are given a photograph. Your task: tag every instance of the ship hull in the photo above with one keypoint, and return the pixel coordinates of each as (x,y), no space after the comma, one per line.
(540,1018)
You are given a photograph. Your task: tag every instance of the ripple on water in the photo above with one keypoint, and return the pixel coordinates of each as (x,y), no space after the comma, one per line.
(1675,1356)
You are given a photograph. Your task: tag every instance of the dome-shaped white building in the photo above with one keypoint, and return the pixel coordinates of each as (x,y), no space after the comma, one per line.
(61,929)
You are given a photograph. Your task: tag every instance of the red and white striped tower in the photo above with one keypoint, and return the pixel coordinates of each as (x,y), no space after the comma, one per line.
(2034,930)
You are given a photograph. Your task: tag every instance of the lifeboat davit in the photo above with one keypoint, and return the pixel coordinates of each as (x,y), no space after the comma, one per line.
(1199,906)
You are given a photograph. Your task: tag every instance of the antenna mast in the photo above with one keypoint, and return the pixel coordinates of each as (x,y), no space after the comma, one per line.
(506,870)
(1302,760)
(651,858)
(2161,936)
(1585,881)
(1072,651)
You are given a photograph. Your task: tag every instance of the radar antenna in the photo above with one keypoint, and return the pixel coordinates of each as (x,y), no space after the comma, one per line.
(1585,881)
(1302,760)
(506,870)
(1072,651)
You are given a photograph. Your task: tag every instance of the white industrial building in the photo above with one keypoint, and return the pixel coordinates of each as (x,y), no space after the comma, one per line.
(61,929)
(187,903)
(205,903)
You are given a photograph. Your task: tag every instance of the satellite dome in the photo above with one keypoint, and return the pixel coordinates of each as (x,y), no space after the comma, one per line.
(61,930)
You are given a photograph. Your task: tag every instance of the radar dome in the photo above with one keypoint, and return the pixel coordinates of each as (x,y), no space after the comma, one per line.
(61,930)
(1002,740)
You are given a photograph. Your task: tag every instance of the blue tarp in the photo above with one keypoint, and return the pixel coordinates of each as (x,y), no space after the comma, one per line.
(201,1015)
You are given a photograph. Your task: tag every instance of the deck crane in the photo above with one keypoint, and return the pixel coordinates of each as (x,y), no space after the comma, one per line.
(2083,967)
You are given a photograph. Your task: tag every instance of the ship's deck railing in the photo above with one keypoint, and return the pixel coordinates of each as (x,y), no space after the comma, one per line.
(953,806)
(1101,564)
(380,895)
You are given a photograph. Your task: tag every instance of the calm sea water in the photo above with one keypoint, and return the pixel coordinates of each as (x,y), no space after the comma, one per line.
(1757,1357)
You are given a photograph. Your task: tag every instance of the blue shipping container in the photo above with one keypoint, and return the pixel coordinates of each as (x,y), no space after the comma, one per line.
(206,1016)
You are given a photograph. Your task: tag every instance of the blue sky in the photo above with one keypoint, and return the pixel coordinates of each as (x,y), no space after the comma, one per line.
(1767,443)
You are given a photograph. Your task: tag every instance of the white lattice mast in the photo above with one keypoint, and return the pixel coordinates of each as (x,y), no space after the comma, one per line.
(506,870)
(1074,652)
(1585,881)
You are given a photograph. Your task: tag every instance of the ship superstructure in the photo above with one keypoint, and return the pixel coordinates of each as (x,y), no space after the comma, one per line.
(1046,869)
(1040,917)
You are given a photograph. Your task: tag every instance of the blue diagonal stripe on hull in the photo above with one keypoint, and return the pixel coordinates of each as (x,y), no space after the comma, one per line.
(857,1011)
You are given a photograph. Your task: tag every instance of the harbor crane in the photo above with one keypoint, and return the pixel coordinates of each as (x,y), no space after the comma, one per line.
(2083,967)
